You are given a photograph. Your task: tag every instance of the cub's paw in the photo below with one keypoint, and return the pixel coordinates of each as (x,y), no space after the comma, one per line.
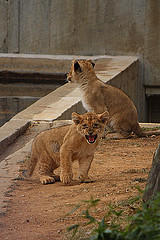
(47,179)
(85,179)
(66,178)
(56,178)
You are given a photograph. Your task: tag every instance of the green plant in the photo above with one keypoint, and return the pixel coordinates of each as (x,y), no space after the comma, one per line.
(100,228)
(146,222)
(144,225)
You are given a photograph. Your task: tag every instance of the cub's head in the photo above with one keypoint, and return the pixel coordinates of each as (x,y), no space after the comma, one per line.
(79,69)
(90,125)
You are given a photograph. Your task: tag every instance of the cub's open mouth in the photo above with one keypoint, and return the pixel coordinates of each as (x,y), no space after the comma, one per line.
(91,138)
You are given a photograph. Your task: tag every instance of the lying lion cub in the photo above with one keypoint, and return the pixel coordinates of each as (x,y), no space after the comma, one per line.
(99,97)
(61,146)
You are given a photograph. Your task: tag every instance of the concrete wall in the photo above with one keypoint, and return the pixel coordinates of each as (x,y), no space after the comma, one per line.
(88,27)
(152,43)
(3,26)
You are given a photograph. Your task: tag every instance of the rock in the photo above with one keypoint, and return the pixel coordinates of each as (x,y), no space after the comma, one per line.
(153,181)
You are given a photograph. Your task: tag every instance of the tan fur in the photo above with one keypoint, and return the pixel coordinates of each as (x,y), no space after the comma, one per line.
(99,97)
(63,145)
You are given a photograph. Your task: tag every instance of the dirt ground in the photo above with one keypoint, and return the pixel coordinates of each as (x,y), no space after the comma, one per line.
(38,212)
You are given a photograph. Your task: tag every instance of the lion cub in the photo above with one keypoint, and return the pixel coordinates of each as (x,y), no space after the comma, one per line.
(61,146)
(99,97)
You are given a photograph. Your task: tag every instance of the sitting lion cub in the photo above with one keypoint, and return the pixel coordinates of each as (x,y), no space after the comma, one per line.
(99,97)
(61,146)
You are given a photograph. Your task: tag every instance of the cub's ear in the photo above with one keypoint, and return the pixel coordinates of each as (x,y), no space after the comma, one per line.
(92,62)
(77,66)
(104,117)
(76,118)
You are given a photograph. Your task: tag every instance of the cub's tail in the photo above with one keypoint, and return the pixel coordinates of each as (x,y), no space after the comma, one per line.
(140,133)
(33,161)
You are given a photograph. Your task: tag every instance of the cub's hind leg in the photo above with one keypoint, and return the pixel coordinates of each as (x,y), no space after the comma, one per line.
(121,130)
(118,135)
(46,168)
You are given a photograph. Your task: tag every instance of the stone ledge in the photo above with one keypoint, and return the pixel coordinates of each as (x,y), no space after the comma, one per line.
(10,131)
(37,63)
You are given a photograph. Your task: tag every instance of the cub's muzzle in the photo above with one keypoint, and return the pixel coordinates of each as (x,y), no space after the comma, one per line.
(91,138)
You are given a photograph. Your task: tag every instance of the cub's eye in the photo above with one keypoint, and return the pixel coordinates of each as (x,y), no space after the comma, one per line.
(95,125)
(84,125)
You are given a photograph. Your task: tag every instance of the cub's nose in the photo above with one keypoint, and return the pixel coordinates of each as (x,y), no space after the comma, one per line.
(90,133)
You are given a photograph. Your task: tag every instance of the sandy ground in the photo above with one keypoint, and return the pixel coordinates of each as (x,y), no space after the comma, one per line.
(35,211)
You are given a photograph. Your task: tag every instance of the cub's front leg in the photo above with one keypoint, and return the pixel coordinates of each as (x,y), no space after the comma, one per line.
(66,165)
(84,166)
